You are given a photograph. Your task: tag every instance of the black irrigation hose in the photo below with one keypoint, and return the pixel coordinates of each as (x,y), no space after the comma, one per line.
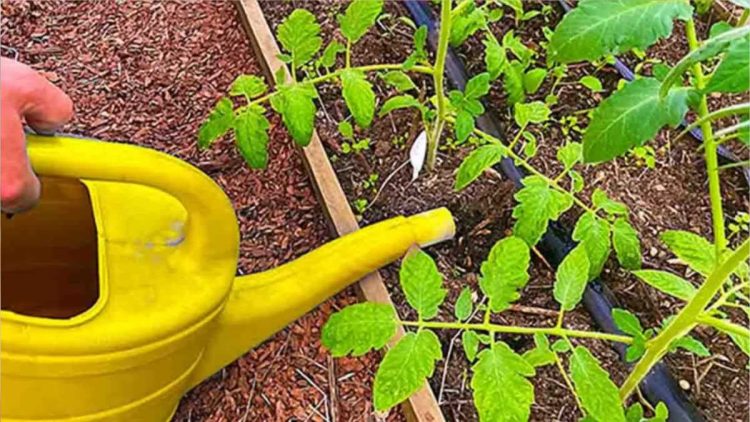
(725,155)
(658,386)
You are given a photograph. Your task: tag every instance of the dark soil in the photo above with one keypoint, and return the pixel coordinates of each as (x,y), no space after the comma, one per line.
(671,196)
(148,73)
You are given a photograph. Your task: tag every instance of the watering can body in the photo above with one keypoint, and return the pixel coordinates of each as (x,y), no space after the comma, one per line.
(119,289)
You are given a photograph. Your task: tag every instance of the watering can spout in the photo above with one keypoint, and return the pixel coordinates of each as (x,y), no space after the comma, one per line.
(262,304)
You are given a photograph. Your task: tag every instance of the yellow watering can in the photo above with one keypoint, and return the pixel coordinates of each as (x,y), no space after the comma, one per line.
(119,291)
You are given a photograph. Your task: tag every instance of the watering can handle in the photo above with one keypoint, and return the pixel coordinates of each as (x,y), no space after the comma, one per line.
(210,214)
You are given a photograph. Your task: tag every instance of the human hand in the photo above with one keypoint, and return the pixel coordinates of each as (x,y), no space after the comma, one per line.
(25,95)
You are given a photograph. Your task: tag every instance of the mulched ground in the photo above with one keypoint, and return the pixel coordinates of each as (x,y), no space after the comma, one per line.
(671,196)
(148,73)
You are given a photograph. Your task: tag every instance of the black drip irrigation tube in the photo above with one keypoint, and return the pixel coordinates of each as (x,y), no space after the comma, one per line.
(725,155)
(658,385)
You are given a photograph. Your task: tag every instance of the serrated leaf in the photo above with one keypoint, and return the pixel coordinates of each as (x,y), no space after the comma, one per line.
(297,109)
(513,82)
(733,73)
(593,232)
(598,394)
(399,80)
(534,112)
(494,57)
(419,53)
(692,345)
(465,25)
(537,204)
(251,136)
(476,163)
(518,48)
(561,346)
(359,328)
(505,272)
(601,200)
(596,28)
(634,413)
(502,392)
(630,117)
(742,342)
(422,283)
(358,95)
(477,87)
(299,34)
(533,79)
(627,322)
(592,83)
(540,355)
(635,350)
(360,15)
(464,305)
(464,125)
(576,181)
(328,58)
(570,154)
(405,368)
(626,243)
(250,86)
(470,343)
(571,278)
(667,283)
(345,129)
(694,250)
(398,102)
(217,124)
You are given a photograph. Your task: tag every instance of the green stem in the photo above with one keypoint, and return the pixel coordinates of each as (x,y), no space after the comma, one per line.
(566,378)
(710,150)
(438,75)
(517,137)
(744,17)
(348,54)
(737,164)
(724,325)
(685,319)
(512,329)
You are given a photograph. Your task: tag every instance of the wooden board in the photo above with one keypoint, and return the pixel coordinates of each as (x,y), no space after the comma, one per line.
(422,406)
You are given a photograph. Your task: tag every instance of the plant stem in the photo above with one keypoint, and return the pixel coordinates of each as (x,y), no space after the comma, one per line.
(438,75)
(566,378)
(710,147)
(498,328)
(743,18)
(685,319)
(724,325)
(348,54)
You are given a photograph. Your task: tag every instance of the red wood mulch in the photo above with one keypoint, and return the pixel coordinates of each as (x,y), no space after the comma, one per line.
(148,73)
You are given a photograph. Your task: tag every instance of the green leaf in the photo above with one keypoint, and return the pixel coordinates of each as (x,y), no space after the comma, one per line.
(719,28)
(502,392)
(576,181)
(694,250)
(297,109)
(561,346)
(601,201)
(593,232)
(398,102)
(464,125)
(742,342)
(733,74)
(630,117)
(251,136)
(419,53)
(250,86)
(570,154)
(405,368)
(626,243)
(399,80)
(514,44)
(346,130)
(505,272)
(360,15)
(667,283)
(636,349)
(422,283)
(328,58)
(299,34)
(533,79)
(571,278)
(662,412)
(627,322)
(538,203)
(513,82)
(597,28)
(477,87)
(464,305)
(466,24)
(692,345)
(358,95)
(476,163)
(217,124)
(494,57)
(634,413)
(598,394)
(470,343)
(591,82)
(534,112)
(541,355)
(359,328)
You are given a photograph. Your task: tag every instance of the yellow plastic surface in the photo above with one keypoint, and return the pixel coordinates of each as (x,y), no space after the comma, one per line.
(170,311)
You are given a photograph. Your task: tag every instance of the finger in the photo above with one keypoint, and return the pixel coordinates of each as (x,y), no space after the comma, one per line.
(49,109)
(20,188)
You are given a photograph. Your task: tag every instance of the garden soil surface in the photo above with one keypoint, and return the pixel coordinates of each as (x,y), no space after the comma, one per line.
(673,195)
(148,73)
